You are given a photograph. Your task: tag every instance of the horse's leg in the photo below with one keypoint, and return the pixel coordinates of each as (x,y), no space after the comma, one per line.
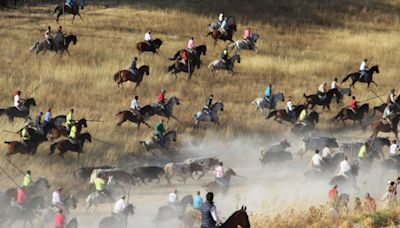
(375,83)
(73,18)
(80,16)
(174,117)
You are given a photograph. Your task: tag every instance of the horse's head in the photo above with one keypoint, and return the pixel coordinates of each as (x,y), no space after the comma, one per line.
(173,100)
(201,49)
(73,223)
(235,57)
(316,116)
(239,218)
(82,122)
(71,201)
(86,136)
(374,69)
(144,69)
(30,102)
(187,200)
(254,36)
(280,96)
(158,43)
(130,209)
(218,106)
(284,143)
(365,107)
(172,135)
(42,181)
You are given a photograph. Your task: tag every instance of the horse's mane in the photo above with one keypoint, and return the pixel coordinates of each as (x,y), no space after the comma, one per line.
(234,213)
(169,132)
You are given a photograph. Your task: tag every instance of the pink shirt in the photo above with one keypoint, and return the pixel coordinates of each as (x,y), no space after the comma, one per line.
(246,34)
(59,220)
(191,44)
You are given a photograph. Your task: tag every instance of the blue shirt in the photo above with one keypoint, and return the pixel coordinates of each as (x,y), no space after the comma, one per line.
(198,201)
(268,91)
(47,117)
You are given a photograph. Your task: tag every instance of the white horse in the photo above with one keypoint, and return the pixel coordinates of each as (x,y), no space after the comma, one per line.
(217,65)
(96,198)
(152,143)
(210,117)
(261,103)
(244,44)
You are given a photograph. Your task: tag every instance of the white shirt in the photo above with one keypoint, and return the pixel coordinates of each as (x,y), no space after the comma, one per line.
(363,66)
(326,152)
(56,198)
(135,104)
(220,17)
(289,105)
(393,149)
(119,206)
(334,85)
(316,160)
(16,100)
(214,214)
(173,197)
(321,88)
(147,37)
(392,98)
(344,167)
(219,172)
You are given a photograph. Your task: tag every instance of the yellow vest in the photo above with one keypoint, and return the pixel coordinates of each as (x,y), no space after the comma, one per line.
(27,180)
(99,183)
(303,115)
(69,118)
(72,133)
(362,152)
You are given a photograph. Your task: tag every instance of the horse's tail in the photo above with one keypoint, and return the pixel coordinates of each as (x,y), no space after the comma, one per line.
(7,142)
(52,148)
(346,78)
(34,46)
(338,116)
(2,111)
(210,66)
(56,9)
(138,47)
(116,77)
(175,56)
(271,114)
(119,113)
(209,33)
(254,102)
(170,68)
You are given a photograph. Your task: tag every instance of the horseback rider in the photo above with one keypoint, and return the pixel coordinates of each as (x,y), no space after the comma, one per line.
(326,153)
(322,91)
(191,47)
(173,198)
(59,219)
(100,186)
(344,167)
(69,119)
(290,108)
(219,173)
(25,136)
(161,98)
(56,198)
(334,84)
(363,69)
(27,179)
(149,39)
(247,37)
(159,133)
(392,97)
(37,123)
(394,149)
(220,18)
(209,216)
(353,105)
(225,58)
(209,105)
(60,38)
(224,27)
(135,105)
(363,151)
(333,194)
(119,209)
(316,161)
(197,201)
(133,69)
(72,137)
(303,115)
(22,198)
(389,114)
(18,102)
(49,37)
(47,116)
(268,92)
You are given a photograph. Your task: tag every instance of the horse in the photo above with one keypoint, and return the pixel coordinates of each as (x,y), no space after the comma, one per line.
(243,44)
(216,33)
(68,40)
(238,218)
(14,112)
(134,118)
(126,75)
(217,65)
(355,77)
(28,147)
(308,124)
(178,67)
(315,99)
(204,116)
(144,46)
(168,212)
(281,114)
(157,109)
(65,145)
(218,188)
(26,214)
(346,181)
(115,222)
(42,45)
(347,114)
(379,125)
(64,8)
(48,214)
(152,143)
(200,50)
(59,131)
(263,103)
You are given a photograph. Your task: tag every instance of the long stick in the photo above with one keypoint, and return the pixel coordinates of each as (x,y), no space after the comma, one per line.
(377,95)
(11,132)
(34,90)
(99,140)
(100,121)
(8,175)
(16,167)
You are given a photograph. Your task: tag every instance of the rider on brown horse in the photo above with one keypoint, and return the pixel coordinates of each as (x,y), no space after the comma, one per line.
(133,67)
(135,106)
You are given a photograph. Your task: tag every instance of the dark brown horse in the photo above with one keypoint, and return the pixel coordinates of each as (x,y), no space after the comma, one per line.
(145,46)
(180,67)
(381,126)
(217,35)
(128,115)
(281,114)
(64,8)
(65,145)
(347,114)
(27,148)
(59,131)
(200,50)
(314,99)
(126,75)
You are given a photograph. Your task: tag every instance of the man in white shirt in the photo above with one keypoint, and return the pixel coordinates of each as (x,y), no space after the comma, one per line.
(148,38)
(18,100)
(290,108)
(316,160)
(119,209)
(392,97)
(363,69)
(135,105)
(56,198)
(344,167)
(394,149)
(219,174)
(326,153)
(173,198)
(334,84)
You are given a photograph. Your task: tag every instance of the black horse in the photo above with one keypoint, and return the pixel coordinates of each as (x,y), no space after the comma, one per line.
(64,8)
(355,77)
(314,99)
(13,112)
(200,50)
(68,40)
(347,114)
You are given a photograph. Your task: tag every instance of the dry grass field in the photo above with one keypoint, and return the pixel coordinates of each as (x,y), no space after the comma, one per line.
(302,44)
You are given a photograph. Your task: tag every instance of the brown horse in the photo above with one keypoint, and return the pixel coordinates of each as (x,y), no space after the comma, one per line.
(65,145)
(380,126)
(347,114)
(59,131)
(144,46)
(126,75)
(217,35)
(27,148)
(281,114)
(128,115)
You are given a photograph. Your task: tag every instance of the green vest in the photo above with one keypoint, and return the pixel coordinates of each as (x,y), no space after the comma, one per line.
(69,118)
(362,152)
(27,180)
(99,183)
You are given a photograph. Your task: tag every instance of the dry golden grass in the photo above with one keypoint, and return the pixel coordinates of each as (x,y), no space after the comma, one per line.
(302,45)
